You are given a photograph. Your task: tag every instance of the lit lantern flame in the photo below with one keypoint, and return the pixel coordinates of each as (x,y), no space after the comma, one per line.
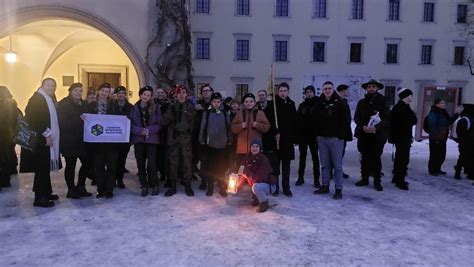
(232,184)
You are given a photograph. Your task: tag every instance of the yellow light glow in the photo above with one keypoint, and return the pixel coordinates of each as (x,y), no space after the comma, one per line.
(232,185)
(11,57)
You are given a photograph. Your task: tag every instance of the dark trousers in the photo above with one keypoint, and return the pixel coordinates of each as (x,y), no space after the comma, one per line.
(371,150)
(145,154)
(213,166)
(162,163)
(105,165)
(462,158)
(70,170)
(276,163)
(313,148)
(437,156)
(402,158)
(42,179)
(90,154)
(123,150)
(467,149)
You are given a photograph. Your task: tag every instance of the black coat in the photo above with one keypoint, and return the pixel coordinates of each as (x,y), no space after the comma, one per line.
(8,121)
(466,135)
(402,120)
(368,106)
(268,138)
(306,129)
(38,118)
(287,117)
(125,110)
(163,134)
(72,127)
(332,117)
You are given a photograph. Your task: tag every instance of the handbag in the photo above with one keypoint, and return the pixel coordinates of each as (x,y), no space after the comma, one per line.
(25,137)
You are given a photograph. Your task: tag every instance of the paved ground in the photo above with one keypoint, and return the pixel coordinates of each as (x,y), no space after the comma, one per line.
(432,224)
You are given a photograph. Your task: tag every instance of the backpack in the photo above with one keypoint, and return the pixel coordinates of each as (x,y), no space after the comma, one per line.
(454,128)
(426,125)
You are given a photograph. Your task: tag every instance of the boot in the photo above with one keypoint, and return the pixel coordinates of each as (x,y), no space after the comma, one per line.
(83,192)
(223,191)
(109,194)
(323,190)
(120,183)
(378,185)
(316,184)
(144,191)
(277,191)
(363,182)
(457,175)
(189,191)
(53,197)
(43,202)
(172,188)
(5,181)
(402,186)
(345,175)
(262,207)
(210,187)
(73,193)
(287,192)
(203,184)
(338,194)
(299,182)
(167,183)
(254,200)
(155,190)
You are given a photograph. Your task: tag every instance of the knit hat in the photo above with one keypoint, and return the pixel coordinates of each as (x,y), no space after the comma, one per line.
(247,96)
(310,87)
(146,88)
(74,85)
(342,87)
(372,81)
(216,95)
(256,141)
(120,89)
(404,92)
(104,85)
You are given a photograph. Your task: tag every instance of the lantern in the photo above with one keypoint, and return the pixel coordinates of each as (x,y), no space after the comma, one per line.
(232,184)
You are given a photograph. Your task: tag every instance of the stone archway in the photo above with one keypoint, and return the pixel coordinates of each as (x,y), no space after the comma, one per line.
(27,15)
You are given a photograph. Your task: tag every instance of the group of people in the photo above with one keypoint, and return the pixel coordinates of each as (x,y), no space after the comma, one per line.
(173,134)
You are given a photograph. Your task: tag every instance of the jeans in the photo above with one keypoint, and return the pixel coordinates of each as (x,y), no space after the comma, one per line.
(330,152)
(261,190)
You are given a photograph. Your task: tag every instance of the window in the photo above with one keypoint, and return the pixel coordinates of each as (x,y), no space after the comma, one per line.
(243,7)
(241,89)
(462,14)
(281,53)
(282,8)
(357,9)
(202,48)
(394,10)
(242,50)
(202,6)
(426,54)
(390,94)
(318,51)
(355,53)
(391,57)
(460,96)
(320,9)
(459,55)
(428,13)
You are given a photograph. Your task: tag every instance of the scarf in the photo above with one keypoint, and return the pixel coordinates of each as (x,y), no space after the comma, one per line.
(52,132)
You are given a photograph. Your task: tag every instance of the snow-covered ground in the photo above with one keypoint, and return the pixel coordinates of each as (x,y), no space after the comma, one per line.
(432,224)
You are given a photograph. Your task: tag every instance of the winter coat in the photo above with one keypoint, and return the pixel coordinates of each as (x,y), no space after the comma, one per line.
(287,127)
(332,117)
(179,119)
(163,134)
(247,135)
(402,120)
(257,169)
(348,135)
(370,105)
(8,121)
(438,124)
(305,120)
(138,123)
(466,135)
(124,110)
(214,130)
(268,138)
(38,118)
(71,127)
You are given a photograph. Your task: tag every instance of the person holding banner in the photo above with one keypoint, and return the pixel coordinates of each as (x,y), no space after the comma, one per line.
(105,154)
(41,116)
(121,106)
(145,124)
(72,148)
(179,118)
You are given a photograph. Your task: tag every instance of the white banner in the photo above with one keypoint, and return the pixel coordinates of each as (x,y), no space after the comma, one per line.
(106,129)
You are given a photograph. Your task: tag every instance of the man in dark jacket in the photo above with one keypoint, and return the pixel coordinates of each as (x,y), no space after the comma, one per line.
(199,151)
(332,117)
(465,132)
(121,106)
(438,124)
(402,120)
(179,119)
(372,119)
(343,91)
(307,136)
(8,121)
